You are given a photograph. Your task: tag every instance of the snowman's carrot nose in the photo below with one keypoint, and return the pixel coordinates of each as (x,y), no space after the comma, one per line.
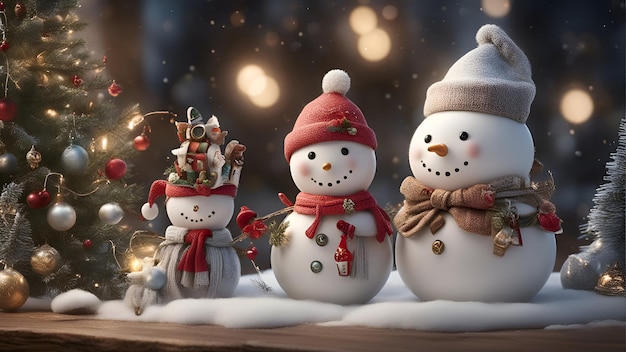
(326,166)
(440,149)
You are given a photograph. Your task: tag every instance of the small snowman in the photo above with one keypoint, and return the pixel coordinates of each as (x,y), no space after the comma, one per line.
(338,247)
(197,256)
(473,226)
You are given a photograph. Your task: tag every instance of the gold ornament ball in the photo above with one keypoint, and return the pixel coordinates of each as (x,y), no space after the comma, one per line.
(14,289)
(45,260)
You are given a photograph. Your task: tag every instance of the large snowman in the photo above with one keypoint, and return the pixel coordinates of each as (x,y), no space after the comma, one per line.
(473,226)
(197,258)
(338,246)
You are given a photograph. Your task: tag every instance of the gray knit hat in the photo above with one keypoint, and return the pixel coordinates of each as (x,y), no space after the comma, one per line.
(494,78)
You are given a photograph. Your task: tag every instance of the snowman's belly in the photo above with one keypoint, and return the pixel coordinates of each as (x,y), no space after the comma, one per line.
(296,265)
(467,269)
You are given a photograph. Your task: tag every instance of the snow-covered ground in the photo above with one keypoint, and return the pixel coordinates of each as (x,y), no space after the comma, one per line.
(394,307)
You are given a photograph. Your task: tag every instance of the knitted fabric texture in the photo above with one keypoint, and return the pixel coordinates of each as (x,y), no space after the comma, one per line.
(472,208)
(320,205)
(224,268)
(494,78)
(330,117)
(162,187)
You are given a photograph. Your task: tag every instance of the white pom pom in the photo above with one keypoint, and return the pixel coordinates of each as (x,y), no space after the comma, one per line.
(336,81)
(149,212)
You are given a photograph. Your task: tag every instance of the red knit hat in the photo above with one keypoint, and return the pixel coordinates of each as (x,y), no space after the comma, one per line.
(162,187)
(330,117)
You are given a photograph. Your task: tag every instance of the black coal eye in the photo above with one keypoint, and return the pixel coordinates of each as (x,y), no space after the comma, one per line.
(428,138)
(344,151)
(311,155)
(463,136)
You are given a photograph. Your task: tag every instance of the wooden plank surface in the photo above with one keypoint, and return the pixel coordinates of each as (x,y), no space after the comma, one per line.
(45,331)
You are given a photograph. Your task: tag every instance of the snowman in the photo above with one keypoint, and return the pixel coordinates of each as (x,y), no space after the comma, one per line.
(473,226)
(338,246)
(197,256)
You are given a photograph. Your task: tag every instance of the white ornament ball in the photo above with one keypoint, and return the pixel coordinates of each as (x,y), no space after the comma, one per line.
(75,159)
(149,212)
(111,213)
(61,216)
(156,279)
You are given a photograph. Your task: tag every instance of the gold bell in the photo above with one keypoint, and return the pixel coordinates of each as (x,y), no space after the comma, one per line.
(502,241)
(611,283)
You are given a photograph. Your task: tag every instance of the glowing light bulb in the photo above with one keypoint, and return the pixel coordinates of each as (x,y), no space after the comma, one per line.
(496,8)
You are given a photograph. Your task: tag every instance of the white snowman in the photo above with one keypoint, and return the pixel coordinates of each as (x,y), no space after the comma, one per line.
(473,227)
(338,247)
(197,256)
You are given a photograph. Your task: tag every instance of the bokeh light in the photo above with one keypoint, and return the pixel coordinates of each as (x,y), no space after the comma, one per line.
(269,96)
(363,20)
(390,12)
(576,106)
(496,8)
(262,90)
(375,45)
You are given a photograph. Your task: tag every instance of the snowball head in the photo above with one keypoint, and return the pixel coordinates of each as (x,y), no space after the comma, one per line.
(336,81)
(200,212)
(335,168)
(456,149)
(149,212)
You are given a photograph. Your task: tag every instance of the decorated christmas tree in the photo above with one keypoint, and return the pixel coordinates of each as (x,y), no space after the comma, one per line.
(62,164)
(606,227)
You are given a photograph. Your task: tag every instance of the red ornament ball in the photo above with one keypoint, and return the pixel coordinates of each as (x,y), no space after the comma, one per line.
(141,142)
(87,244)
(4,46)
(8,109)
(115,89)
(115,169)
(2,6)
(36,200)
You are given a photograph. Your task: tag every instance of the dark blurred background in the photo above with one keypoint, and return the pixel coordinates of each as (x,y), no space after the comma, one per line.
(169,55)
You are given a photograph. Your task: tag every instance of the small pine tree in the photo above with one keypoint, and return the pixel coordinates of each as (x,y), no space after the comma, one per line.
(606,226)
(56,95)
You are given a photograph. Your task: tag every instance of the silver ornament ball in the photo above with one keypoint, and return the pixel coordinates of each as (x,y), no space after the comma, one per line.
(61,216)
(75,159)
(156,279)
(111,213)
(8,163)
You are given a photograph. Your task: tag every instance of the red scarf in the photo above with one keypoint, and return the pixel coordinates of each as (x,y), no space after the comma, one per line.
(193,260)
(320,205)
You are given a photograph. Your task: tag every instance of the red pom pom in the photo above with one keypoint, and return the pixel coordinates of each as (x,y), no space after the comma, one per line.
(8,109)
(115,169)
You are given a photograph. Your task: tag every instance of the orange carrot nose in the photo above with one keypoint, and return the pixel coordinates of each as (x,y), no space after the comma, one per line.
(440,149)
(326,166)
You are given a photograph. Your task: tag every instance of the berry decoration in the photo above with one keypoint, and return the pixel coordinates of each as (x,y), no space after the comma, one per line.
(76,81)
(37,200)
(87,244)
